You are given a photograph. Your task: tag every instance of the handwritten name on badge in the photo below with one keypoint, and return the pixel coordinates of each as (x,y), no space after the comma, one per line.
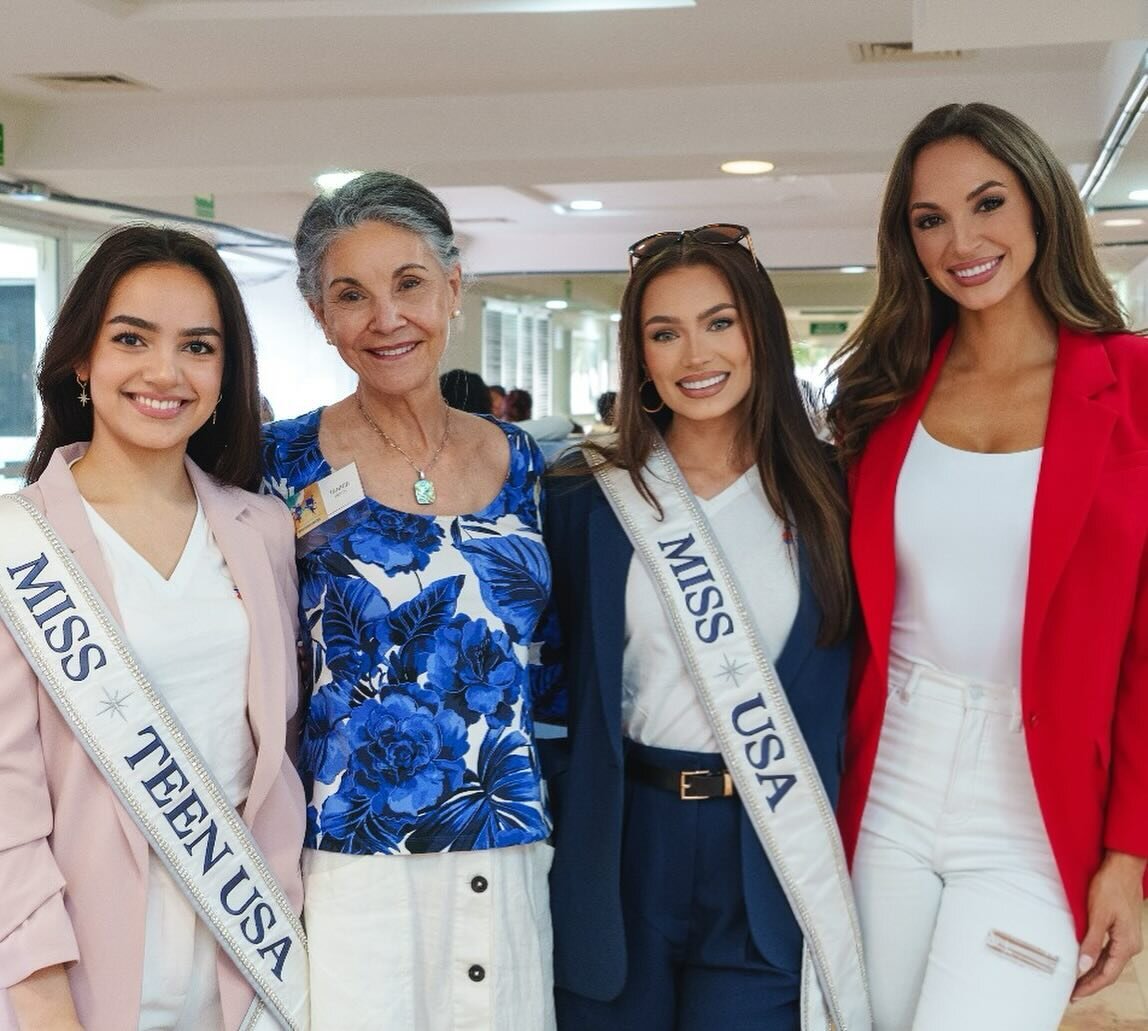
(319,501)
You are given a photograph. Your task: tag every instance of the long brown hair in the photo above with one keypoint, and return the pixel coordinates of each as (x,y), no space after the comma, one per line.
(797,473)
(886,357)
(227,446)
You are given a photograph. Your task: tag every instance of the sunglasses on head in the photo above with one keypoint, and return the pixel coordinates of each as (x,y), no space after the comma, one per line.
(714,233)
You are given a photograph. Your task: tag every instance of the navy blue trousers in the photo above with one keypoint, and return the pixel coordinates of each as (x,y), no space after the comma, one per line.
(691,961)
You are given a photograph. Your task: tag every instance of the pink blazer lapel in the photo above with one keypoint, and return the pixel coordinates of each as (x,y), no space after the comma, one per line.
(64,509)
(245,552)
(1075,444)
(874,497)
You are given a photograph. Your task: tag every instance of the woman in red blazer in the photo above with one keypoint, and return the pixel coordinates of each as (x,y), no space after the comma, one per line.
(993,414)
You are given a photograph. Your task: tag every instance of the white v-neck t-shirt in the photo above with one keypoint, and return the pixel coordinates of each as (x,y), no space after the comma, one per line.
(191,636)
(660,705)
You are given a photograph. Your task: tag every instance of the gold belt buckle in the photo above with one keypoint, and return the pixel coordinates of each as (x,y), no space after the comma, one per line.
(684,786)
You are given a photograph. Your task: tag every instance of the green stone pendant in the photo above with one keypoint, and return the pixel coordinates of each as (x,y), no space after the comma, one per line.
(424,491)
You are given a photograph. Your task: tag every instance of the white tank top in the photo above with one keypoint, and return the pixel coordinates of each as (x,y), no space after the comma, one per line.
(962,527)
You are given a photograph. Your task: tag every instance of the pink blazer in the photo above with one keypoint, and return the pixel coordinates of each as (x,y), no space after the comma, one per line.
(73,866)
(1084,653)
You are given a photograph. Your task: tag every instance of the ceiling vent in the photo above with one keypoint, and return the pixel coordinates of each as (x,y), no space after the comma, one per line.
(88,82)
(889,53)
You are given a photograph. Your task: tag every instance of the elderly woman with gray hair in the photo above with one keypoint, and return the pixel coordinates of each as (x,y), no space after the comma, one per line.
(423,579)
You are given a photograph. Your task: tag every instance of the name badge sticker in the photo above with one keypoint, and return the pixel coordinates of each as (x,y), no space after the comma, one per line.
(325,498)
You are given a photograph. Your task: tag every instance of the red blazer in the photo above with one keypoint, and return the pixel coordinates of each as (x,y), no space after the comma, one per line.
(1084,653)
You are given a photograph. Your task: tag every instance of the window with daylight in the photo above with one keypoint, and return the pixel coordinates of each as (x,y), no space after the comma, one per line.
(28,297)
(516,350)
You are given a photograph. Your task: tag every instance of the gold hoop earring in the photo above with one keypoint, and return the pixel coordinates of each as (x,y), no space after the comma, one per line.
(641,401)
(83,395)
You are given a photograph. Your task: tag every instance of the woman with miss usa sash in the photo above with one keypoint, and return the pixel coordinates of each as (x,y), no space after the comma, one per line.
(702,589)
(147,670)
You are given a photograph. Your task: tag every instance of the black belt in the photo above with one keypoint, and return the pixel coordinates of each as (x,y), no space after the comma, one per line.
(689,785)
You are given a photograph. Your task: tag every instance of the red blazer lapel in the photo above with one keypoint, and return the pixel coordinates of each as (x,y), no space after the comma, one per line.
(1075,444)
(873,496)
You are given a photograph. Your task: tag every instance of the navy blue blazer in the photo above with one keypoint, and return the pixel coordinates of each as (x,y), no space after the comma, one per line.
(590,556)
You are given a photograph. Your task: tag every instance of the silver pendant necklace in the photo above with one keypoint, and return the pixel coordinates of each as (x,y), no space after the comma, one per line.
(423,486)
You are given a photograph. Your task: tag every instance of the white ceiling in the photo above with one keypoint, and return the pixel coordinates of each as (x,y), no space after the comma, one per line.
(507,110)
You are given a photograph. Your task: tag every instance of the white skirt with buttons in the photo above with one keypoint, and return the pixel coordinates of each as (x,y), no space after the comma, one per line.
(452,941)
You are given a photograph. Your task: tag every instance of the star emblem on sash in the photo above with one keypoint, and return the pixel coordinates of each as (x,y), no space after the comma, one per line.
(732,670)
(113,704)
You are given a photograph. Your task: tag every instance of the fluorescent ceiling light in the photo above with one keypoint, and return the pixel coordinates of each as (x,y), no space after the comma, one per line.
(853,270)
(616,316)
(747,167)
(329,181)
(1123,223)
(585,205)
(557,305)
(1138,195)
(186,10)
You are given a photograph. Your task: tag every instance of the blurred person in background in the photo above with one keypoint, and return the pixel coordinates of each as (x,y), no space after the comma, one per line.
(465,391)
(498,401)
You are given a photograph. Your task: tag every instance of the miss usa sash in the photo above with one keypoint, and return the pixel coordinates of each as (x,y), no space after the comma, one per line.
(79,654)
(759,738)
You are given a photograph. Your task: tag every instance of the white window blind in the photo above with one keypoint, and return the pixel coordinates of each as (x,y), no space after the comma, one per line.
(516,350)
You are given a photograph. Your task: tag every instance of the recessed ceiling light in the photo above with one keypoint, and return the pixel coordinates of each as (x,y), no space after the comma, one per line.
(853,270)
(557,305)
(329,181)
(747,167)
(585,205)
(1138,195)
(1122,223)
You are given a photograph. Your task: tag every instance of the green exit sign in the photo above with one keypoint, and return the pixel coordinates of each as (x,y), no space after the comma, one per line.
(827,329)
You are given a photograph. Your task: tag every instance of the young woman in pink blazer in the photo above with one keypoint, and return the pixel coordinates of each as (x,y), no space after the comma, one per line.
(144,466)
(992,410)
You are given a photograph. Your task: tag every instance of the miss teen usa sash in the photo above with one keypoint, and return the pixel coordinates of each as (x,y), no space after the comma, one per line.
(755,728)
(79,655)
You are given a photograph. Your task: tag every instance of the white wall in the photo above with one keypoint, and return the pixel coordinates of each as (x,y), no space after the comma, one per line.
(298,371)
(1133,292)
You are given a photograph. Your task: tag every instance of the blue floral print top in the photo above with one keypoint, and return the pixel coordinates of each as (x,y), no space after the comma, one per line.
(418,736)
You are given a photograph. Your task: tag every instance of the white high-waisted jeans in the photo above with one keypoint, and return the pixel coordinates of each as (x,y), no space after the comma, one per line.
(964,919)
